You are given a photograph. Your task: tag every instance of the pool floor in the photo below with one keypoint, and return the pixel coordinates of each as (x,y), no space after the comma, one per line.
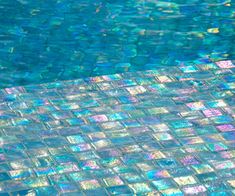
(165,132)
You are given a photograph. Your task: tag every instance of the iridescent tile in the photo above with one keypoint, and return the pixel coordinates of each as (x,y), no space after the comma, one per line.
(196,106)
(216,103)
(202,168)
(75,121)
(229,136)
(102,144)
(113,181)
(157,174)
(225,64)
(98,118)
(162,127)
(215,147)
(44,171)
(66,167)
(20,174)
(136,90)
(231,183)
(227,164)
(80,147)
(112,77)
(86,155)
(119,190)
(164,184)
(64,158)
(225,128)
(180,124)
(185,180)
(162,136)
(88,165)
(80,176)
(36,182)
(90,184)
(154,155)
(212,112)
(172,192)
(145,166)
(200,189)
(75,139)
(47,191)
(206,177)
(164,79)
(67,187)
(82,112)
(192,140)
(132,177)
(112,125)
(159,110)
(188,69)
(209,66)
(140,188)
(228,154)
(221,119)
(213,138)
(184,132)
(118,116)
(189,160)
(168,163)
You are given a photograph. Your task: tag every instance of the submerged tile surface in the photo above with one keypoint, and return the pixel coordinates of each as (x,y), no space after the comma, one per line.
(164,132)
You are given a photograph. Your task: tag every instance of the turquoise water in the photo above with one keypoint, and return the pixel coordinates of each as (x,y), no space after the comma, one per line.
(45,41)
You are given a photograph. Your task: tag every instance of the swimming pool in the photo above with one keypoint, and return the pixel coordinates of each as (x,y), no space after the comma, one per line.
(157,120)
(45,41)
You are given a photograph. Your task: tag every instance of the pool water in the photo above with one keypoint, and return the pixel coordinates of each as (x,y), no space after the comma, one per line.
(45,41)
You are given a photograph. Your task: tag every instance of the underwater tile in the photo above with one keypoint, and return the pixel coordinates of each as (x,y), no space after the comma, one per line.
(80,147)
(195,189)
(113,181)
(215,147)
(118,190)
(227,164)
(188,69)
(162,136)
(206,177)
(157,174)
(225,128)
(196,106)
(185,180)
(75,139)
(225,64)
(212,112)
(139,188)
(202,168)
(36,182)
(90,184)
(172,192)
(164,184)
(98,118)
(136,90)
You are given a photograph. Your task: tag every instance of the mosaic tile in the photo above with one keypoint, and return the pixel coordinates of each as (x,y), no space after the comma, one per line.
(159,133)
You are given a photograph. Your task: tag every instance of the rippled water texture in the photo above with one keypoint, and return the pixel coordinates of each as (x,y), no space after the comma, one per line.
(43,41)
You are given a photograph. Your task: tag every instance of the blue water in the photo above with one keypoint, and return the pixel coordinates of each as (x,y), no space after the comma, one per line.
(43,41)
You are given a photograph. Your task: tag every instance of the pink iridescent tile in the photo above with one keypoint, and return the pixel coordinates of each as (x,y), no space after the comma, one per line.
(194,190)
(196,106)
(212,112)
(98,118)
(226,128)
(225,64)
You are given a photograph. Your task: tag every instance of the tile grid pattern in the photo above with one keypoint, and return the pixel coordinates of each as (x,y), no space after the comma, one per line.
(159,132)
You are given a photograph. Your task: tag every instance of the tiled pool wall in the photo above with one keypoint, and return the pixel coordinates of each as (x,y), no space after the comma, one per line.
(158,132)
(46,41)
